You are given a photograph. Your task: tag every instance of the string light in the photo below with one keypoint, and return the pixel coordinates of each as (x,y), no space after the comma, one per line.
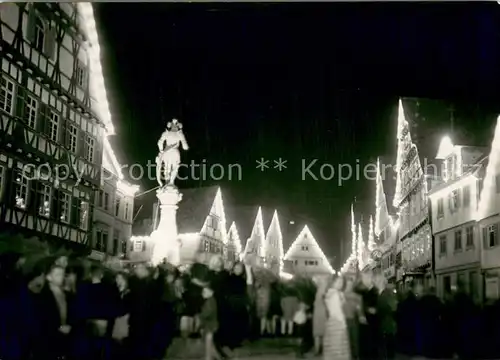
(371,237)
(361,248)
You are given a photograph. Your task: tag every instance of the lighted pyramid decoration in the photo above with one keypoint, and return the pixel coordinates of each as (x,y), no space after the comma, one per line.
(381,212)
(488,200)
(274,242)
(217,209)
(305,246)
(255,245)
(233,239)
(404,146)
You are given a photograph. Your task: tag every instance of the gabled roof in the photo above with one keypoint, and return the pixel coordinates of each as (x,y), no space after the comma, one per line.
(314,250)
(194,208)
(274,233)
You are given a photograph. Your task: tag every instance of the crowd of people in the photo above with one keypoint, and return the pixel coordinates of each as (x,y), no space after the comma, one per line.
(68,308)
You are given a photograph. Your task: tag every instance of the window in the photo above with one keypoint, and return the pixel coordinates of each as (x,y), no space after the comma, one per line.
(305,248)
(6,95)
(106,201)
(30,111)
(442,245)
(440,208)
(117,205)
(2,175)
(458,240)
(21,191)
(116,242)
(450,167)
(497,183)
(39,34)
(126,211)
(65,201)
(454,200)
(89,155)
(101,240)
(492,235)
(101,198)
(80,74)
(84,215)
(138,245)
(53,126)
(124,247)
(213,222)
(73,138)
(44,196)
(447,284)
(466,195)
(469,237)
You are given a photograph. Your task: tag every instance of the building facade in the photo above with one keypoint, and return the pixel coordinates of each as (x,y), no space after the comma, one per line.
(410,198)
(306,257)
(113,211)
(54,118)
(488,217)
(454,203)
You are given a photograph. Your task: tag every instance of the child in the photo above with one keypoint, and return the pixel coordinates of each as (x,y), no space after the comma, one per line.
(209,324)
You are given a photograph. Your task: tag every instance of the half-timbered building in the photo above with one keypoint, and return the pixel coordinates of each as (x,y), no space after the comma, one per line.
(54,116)
(113,210)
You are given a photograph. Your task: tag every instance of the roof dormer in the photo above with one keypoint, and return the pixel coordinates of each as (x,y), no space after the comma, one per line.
(452,160)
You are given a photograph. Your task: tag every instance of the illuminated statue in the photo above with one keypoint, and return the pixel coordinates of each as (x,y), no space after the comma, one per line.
(169,155)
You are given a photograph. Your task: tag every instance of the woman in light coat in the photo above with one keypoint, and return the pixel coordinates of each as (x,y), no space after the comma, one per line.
(319,314)
(336,339)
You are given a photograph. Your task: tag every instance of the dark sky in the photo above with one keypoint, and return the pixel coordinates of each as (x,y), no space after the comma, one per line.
(296,81)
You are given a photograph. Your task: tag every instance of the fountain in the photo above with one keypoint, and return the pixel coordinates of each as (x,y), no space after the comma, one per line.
(164,239)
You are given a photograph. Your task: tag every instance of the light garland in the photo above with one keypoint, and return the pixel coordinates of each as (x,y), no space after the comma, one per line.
(361,248)
(275,231)
(371,237)
(381,211)
(488,191)
(353,232)
(402,124)
(97,88)
(306,233)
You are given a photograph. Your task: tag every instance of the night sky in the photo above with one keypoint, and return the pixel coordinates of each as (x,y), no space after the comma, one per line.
(296,81)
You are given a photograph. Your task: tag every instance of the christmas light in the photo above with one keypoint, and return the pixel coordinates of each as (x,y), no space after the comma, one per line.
(487,196)
(274,233)
(371,237)
(402,125)
(361,248)
(96,78)
(234,237)
(306,234)
(381,212)
(353,232)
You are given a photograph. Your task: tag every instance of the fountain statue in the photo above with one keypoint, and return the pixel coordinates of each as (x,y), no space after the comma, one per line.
(166,245)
